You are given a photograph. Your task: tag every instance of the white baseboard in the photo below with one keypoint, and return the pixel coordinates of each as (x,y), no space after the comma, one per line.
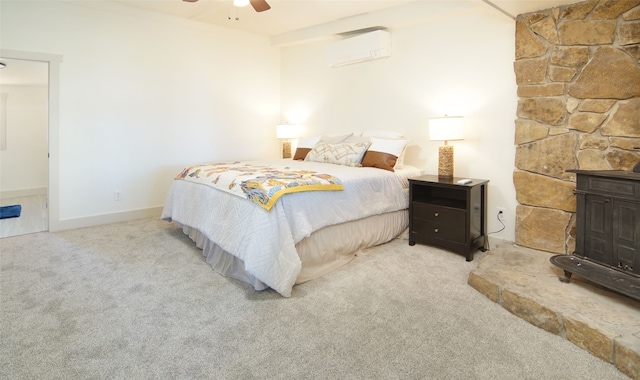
(23,192)
(96,220)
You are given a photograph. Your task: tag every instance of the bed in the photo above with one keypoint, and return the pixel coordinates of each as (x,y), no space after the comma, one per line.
(302,235)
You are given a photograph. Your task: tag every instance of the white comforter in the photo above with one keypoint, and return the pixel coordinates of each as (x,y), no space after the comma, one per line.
(265,240)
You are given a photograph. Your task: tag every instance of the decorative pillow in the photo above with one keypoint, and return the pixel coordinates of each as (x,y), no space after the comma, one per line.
(384,153)
(400,161)
(393,136)
(305,144)
(348,154)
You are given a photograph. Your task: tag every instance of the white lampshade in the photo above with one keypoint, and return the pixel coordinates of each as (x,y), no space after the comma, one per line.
(446,128)
(287,131)
(240,3)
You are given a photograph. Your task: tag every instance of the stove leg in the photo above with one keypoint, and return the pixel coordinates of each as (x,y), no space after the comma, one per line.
(566,278)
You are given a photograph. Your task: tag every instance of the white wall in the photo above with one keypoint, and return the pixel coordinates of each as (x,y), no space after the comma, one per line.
(23,165)
(461,64)
(143,95)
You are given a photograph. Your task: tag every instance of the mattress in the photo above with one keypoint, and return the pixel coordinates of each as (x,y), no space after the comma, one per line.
(266,243)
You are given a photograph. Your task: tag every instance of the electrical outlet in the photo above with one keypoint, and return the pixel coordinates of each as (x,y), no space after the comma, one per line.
(501,213)
(117,196)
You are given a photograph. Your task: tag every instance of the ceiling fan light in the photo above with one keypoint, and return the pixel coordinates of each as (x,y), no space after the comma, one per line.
(240,3)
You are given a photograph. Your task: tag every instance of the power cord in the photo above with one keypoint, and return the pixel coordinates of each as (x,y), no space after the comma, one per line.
(499,220)
(487,246)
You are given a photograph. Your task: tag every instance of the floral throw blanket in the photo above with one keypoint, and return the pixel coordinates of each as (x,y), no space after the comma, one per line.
(263,185)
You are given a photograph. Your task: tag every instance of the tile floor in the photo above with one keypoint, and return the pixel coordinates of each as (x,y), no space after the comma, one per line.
(33,218)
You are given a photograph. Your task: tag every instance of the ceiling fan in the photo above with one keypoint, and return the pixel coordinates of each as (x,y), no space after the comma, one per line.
(258,5)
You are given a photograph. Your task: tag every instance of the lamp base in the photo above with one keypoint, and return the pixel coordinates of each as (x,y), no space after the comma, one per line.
(286,149)
(445,161)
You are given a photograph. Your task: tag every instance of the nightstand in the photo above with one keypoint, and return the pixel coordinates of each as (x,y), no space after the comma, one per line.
(449,215)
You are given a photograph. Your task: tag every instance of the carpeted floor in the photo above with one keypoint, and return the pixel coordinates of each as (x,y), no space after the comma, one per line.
(136,300)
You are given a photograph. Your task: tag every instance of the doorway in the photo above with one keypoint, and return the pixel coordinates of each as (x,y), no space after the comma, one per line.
(51,63)
(24,144)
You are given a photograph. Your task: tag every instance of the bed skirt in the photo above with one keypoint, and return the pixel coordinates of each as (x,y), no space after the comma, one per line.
(324,251)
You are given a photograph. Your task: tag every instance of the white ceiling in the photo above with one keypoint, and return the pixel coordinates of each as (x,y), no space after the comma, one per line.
(290,15)
(285,16)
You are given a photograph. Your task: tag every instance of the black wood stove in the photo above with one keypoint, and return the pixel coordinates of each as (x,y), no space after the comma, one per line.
(607,231)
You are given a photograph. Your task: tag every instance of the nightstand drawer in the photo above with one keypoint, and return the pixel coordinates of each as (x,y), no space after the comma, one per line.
(455,232)
(438,214)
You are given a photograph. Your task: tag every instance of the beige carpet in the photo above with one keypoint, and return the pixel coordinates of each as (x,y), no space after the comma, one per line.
(136,300)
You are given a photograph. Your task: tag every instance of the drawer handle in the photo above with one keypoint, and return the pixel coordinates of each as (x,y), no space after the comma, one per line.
(436,213)
(435,230)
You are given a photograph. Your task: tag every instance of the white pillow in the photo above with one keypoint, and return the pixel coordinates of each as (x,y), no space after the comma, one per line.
(357,139)
(383,134)
(334,139)
(305,144)
(308,142)
(348,154)
(384,153)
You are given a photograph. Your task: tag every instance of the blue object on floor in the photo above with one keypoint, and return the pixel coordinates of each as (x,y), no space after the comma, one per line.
(10,211)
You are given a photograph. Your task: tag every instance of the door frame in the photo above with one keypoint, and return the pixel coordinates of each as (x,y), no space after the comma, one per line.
(53,61)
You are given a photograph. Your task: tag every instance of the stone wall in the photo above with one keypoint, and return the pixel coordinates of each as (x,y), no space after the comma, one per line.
(578,75)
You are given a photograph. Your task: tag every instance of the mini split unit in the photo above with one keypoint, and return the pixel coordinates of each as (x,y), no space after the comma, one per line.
(365,47)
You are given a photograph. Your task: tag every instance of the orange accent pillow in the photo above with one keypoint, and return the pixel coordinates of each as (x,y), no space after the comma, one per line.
(384,153)
(379,160)
(301,153)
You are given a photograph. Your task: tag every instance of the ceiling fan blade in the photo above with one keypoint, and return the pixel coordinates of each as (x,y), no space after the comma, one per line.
(260,5)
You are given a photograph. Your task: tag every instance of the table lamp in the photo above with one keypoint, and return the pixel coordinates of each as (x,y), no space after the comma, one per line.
(286,132)
(446,129)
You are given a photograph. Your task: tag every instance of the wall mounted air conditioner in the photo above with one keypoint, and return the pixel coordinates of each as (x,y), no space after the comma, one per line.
(365,47)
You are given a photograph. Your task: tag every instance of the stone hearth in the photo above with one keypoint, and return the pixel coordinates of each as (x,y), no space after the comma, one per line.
(600,321)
